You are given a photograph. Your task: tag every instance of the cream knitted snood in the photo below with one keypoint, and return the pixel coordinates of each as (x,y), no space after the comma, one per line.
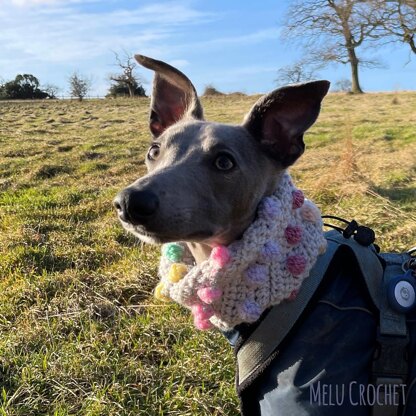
(266,266)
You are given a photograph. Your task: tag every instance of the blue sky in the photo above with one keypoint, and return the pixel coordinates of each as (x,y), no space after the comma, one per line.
(234,45)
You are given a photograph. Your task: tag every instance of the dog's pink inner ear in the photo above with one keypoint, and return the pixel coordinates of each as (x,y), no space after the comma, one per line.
(173,97)
(169,105)
(279,120)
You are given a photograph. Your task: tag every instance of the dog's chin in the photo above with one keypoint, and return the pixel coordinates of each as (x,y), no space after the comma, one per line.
(146,237)
(151,237)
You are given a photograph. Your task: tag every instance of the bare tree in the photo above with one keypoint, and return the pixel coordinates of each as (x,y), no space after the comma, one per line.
(300,71)
(397,19)
(127,77)
(343,85)
(332,31)
(79,86)
(51,89)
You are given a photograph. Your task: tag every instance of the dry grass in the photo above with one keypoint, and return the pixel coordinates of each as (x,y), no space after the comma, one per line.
(80,331)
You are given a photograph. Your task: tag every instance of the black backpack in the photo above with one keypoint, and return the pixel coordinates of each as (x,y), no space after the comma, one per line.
(345,346)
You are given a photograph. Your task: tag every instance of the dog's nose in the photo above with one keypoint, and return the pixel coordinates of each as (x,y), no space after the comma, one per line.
(135,206)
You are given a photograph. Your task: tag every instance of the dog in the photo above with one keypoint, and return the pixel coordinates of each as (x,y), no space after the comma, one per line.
(206,180)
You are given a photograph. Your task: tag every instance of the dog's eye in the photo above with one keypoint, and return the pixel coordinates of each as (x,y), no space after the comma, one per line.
(224,162)
(153,152)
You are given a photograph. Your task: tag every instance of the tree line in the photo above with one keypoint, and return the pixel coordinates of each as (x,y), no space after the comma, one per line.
(27,86)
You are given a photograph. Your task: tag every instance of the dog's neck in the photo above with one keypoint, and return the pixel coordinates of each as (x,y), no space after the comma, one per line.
(199,251)
(235,283)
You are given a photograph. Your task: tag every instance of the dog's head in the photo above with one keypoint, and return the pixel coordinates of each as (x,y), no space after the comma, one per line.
(205,179)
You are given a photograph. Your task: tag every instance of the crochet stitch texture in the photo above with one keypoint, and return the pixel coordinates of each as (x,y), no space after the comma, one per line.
(266,266)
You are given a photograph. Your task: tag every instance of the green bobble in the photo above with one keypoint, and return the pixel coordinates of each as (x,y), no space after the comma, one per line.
(173,251)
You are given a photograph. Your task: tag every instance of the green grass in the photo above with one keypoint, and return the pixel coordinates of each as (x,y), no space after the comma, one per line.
(80,333)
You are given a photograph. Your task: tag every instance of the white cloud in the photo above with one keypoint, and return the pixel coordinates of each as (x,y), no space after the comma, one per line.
(63,33)
(33,3)
(49,36)
(25,3)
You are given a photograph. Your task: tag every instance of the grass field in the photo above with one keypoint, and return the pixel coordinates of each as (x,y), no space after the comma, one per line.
(80,333)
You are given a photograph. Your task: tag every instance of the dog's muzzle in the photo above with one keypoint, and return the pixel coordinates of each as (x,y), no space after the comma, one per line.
(136,206)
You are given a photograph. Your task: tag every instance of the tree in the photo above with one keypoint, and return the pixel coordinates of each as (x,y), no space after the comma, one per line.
(343,85)
(300,71)
(332,31)
(79,86)
(398,20)
(52,90)
(127,78)
(23,87)
(121,90)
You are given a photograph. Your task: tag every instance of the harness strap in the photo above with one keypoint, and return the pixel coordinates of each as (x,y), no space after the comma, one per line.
(260,345)
(390,367)
(391,322)
(390,364)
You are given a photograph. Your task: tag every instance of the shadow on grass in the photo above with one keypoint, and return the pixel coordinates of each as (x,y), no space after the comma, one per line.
(399,194)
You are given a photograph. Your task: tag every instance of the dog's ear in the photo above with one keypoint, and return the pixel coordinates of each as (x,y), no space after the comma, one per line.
(279,119)
(173,96)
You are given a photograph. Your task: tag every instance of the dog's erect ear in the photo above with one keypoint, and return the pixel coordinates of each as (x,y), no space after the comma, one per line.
(279,119)
(173,96)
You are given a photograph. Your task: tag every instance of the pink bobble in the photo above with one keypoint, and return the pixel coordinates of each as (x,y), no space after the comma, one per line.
(296,264)
(293,294)
(202,324)
(220,255)
(209,294)
(293,234)
(298,199)
(202,312)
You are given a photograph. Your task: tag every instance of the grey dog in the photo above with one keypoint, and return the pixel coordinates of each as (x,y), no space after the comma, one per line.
(205,180)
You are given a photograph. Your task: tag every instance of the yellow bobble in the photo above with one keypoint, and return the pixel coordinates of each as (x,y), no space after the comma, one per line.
(158,293)
(176,272)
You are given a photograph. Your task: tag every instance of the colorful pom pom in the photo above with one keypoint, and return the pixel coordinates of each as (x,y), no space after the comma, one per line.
(209,294)
(203,324)
(176,272)
(202,311)
(220,255)
(293,234)
(296,264)
(250,311)
(269,208)
(310,213)
(269,250)
(256,274)
(158,293)
(297,199)
(173,251)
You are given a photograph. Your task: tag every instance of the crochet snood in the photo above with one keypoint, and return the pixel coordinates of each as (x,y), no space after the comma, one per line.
(263,268)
